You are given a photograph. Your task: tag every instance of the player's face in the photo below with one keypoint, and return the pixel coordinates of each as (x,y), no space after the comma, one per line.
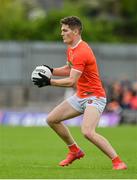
(67,34)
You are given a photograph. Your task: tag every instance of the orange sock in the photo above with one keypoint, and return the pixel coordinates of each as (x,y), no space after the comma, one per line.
(73,148)
(116,160)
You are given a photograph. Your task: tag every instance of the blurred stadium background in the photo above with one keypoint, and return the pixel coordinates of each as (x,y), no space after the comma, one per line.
(30,36)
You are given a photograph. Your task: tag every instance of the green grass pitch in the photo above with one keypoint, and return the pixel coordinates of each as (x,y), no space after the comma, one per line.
(34,152)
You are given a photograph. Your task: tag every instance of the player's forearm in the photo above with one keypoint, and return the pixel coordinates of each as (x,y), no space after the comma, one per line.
(66,82)
(62,71)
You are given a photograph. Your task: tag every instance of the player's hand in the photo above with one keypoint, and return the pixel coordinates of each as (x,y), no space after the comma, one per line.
(51,69)
(41,82)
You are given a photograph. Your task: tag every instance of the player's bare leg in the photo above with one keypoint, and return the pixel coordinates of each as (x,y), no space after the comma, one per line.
(62,112)
(90,121)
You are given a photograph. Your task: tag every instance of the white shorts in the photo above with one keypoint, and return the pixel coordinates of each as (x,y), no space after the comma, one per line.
(80,104)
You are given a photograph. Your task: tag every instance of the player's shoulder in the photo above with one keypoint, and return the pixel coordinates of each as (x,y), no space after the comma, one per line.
(84,44)
(84,48)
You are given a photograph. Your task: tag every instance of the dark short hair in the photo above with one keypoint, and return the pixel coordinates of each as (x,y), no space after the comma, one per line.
(73,22)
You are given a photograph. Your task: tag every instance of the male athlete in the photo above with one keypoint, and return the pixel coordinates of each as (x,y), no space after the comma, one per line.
(90,99)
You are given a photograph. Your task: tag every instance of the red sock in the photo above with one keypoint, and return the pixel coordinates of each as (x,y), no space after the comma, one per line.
(116,160)
(73,148)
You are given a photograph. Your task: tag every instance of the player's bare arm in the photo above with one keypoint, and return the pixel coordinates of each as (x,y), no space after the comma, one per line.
(67,82)
(61,71)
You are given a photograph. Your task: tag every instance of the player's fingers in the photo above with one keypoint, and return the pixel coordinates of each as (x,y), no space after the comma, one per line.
(36,83)
(36,79)
(41,75)
(39,86)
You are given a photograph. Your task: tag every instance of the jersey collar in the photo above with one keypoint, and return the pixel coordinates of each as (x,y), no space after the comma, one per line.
(76,44)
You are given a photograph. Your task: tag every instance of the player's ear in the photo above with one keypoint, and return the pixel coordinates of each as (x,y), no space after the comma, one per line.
(75,31)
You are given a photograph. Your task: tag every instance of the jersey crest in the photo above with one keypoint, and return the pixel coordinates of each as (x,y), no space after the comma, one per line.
(70,60)
(69,63)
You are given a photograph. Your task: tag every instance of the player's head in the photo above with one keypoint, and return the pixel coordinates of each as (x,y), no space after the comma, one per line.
(71,28)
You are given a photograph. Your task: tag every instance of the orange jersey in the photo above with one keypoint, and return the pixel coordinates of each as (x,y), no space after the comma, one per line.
(81,58)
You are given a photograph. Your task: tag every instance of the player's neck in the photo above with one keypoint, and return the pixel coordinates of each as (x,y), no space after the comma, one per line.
(76,43)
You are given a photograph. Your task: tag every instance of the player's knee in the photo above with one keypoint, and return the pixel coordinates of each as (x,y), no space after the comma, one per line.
(50,120)
(88,133)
